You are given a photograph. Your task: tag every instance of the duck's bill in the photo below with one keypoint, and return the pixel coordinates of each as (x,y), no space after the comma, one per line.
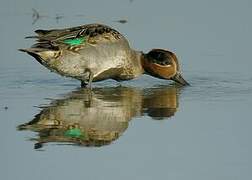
(179,79)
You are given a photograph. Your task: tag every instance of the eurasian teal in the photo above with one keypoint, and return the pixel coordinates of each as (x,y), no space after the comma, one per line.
(96,52)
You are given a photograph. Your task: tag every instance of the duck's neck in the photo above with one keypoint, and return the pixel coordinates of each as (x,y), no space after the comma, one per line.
(137,62)
(144,63)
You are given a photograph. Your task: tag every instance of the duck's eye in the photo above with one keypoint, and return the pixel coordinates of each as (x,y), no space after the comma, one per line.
(166,63)
(158,55)
(163,63)
(159,58)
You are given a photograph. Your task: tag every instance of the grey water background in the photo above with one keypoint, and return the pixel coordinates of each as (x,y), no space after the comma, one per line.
(209,137)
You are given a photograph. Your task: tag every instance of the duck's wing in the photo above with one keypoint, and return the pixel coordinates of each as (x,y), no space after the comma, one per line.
(55,39)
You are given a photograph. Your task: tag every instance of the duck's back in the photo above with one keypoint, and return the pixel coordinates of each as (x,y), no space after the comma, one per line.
(94,47)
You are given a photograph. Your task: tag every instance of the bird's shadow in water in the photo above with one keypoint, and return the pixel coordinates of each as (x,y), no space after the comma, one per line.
(98,117)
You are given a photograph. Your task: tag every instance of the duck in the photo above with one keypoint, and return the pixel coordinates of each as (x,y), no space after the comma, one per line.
(96,52)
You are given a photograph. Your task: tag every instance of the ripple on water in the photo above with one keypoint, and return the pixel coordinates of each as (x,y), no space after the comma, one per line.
(31,82)
(27,82)
(219,86)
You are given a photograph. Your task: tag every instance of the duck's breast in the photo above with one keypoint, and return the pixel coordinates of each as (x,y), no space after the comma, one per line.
(104,60)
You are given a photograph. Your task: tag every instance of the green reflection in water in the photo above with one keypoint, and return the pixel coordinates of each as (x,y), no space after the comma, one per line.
(75,133)
(99,117)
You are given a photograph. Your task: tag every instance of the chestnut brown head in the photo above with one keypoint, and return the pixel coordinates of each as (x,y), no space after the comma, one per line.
(163,64)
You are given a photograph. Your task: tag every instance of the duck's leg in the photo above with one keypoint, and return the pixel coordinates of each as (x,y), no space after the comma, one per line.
(83,84)
(91,76)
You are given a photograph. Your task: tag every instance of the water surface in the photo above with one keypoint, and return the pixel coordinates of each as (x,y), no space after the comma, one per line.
(140,129)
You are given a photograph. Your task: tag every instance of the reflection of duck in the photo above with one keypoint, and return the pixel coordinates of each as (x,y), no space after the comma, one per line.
(95,52)
(161,103)
(100,117)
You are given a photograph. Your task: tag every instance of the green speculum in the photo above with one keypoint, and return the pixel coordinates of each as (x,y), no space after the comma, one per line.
(76,41)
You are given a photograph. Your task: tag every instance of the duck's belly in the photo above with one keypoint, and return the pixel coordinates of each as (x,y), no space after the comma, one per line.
(103,61)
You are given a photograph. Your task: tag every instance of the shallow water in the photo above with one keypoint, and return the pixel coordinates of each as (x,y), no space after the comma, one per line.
(140,129)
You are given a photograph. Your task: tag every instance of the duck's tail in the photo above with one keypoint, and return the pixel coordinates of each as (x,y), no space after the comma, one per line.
(42,55)
(37,53)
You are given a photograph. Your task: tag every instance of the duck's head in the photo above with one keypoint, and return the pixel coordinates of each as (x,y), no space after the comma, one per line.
(163,64)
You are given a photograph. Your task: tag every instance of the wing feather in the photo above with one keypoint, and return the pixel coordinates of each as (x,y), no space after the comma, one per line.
(57,38)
